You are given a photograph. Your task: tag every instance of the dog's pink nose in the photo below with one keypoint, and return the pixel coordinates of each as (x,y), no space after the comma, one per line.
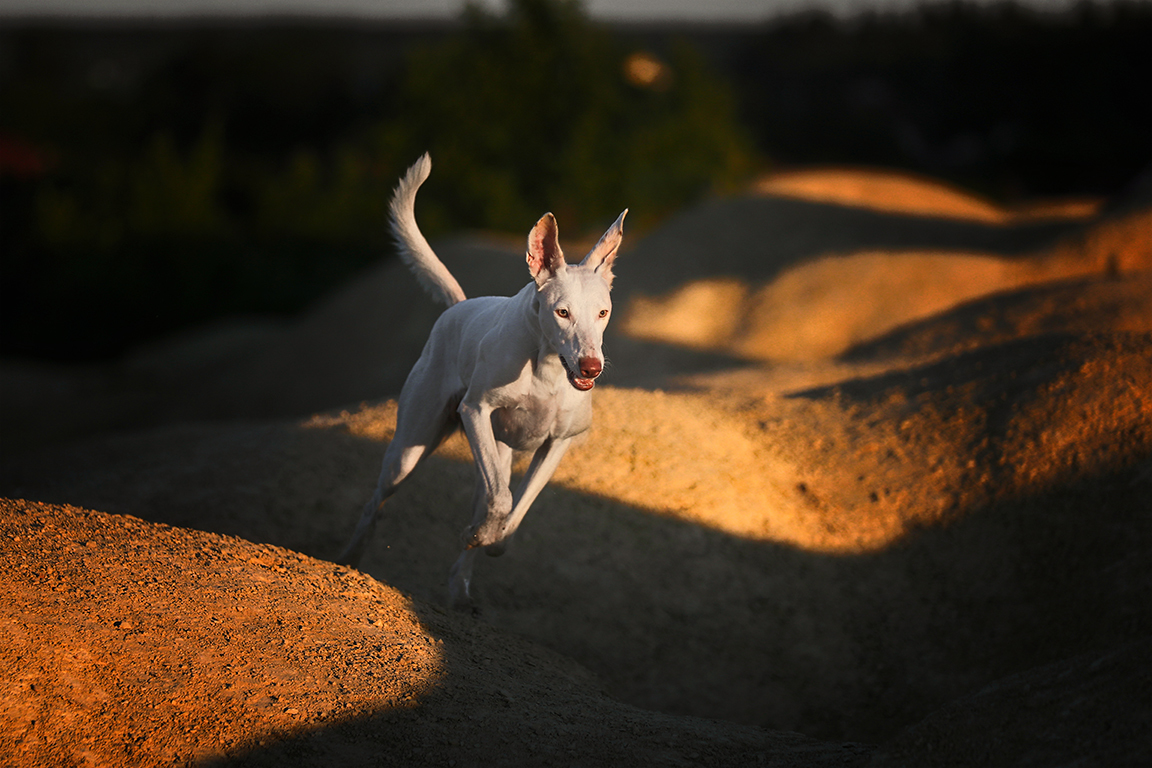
(590,367)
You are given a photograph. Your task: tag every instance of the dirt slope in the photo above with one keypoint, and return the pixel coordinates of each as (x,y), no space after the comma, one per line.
(127,643)
(939,513)
(838,298)
(784,261)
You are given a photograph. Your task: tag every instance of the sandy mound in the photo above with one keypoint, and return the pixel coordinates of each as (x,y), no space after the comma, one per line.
(827,304)
(127,643)
(937,512)
(1082,305)
(907,193)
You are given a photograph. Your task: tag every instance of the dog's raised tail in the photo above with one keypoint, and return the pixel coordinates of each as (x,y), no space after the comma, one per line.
(414,249)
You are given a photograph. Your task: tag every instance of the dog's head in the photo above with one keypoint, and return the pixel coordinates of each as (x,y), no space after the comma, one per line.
(574,301)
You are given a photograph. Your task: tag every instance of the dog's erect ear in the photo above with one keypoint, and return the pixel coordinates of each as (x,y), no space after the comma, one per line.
(545,259)
(603,255)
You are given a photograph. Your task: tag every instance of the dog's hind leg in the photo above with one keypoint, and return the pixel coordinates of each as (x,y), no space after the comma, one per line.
(398,464)
(419,431)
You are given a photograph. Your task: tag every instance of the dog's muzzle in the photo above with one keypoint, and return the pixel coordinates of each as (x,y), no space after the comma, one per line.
(585,379)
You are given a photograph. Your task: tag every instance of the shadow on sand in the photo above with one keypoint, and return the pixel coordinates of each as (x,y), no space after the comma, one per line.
(672,616)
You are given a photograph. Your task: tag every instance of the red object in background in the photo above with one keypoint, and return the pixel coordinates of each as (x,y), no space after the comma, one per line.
(20,159)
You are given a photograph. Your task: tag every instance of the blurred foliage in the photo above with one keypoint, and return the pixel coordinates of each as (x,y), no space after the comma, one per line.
(156,176)
(161,193)
(523,113)
(531,112)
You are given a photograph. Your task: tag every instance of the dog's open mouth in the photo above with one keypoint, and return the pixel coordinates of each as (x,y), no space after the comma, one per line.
(581,384)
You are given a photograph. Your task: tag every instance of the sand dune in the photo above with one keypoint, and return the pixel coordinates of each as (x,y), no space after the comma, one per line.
(905,193)
(825,305)
(194,648)
(879,479)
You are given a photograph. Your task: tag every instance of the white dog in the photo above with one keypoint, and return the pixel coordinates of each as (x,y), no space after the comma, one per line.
(515,371)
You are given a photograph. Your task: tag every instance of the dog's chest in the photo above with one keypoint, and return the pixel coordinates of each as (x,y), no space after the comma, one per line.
(526,424)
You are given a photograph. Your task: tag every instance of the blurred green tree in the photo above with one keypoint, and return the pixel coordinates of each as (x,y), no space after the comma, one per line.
(162,193)
(533,111)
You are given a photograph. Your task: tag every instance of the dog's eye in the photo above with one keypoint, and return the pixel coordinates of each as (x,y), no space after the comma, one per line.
(562,312)
(603,313)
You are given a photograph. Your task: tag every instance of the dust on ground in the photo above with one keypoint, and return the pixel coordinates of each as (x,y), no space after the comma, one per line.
(923,541)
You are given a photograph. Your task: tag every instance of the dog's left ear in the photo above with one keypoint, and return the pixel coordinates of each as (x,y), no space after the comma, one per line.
(601,257)
(545,259)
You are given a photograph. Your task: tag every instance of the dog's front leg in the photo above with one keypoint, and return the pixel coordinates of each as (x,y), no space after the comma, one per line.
(493,498)
(494,466)
(540,471)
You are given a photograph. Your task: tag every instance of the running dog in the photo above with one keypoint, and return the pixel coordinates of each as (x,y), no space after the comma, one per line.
(516,372)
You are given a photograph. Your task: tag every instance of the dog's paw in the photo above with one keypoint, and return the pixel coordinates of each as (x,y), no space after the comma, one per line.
(460,599)
(488,534)
(460,584)
(470,538)
(464,604)
(468,609)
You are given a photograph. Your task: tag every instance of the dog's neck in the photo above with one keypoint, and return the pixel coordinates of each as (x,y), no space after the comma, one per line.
(543,353)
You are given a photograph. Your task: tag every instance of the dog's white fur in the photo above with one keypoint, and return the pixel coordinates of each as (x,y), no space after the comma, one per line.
(515,371)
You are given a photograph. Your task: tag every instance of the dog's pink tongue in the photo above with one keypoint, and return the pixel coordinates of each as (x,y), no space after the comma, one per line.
(583,384)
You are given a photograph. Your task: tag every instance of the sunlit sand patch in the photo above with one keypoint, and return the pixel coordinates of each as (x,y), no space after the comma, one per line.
(205,643)
(821,308)
(854,475)
(903,193)
(378,422)
(1114,246)
(703,314)
(818,309)
(676,455)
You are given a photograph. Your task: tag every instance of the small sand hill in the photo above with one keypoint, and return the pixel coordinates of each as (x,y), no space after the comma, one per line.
(944,513)
(129,643)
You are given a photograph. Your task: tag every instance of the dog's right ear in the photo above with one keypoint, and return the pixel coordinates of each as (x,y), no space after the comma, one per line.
(545,259)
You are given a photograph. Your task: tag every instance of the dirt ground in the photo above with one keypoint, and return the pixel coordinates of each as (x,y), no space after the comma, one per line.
(868,485)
